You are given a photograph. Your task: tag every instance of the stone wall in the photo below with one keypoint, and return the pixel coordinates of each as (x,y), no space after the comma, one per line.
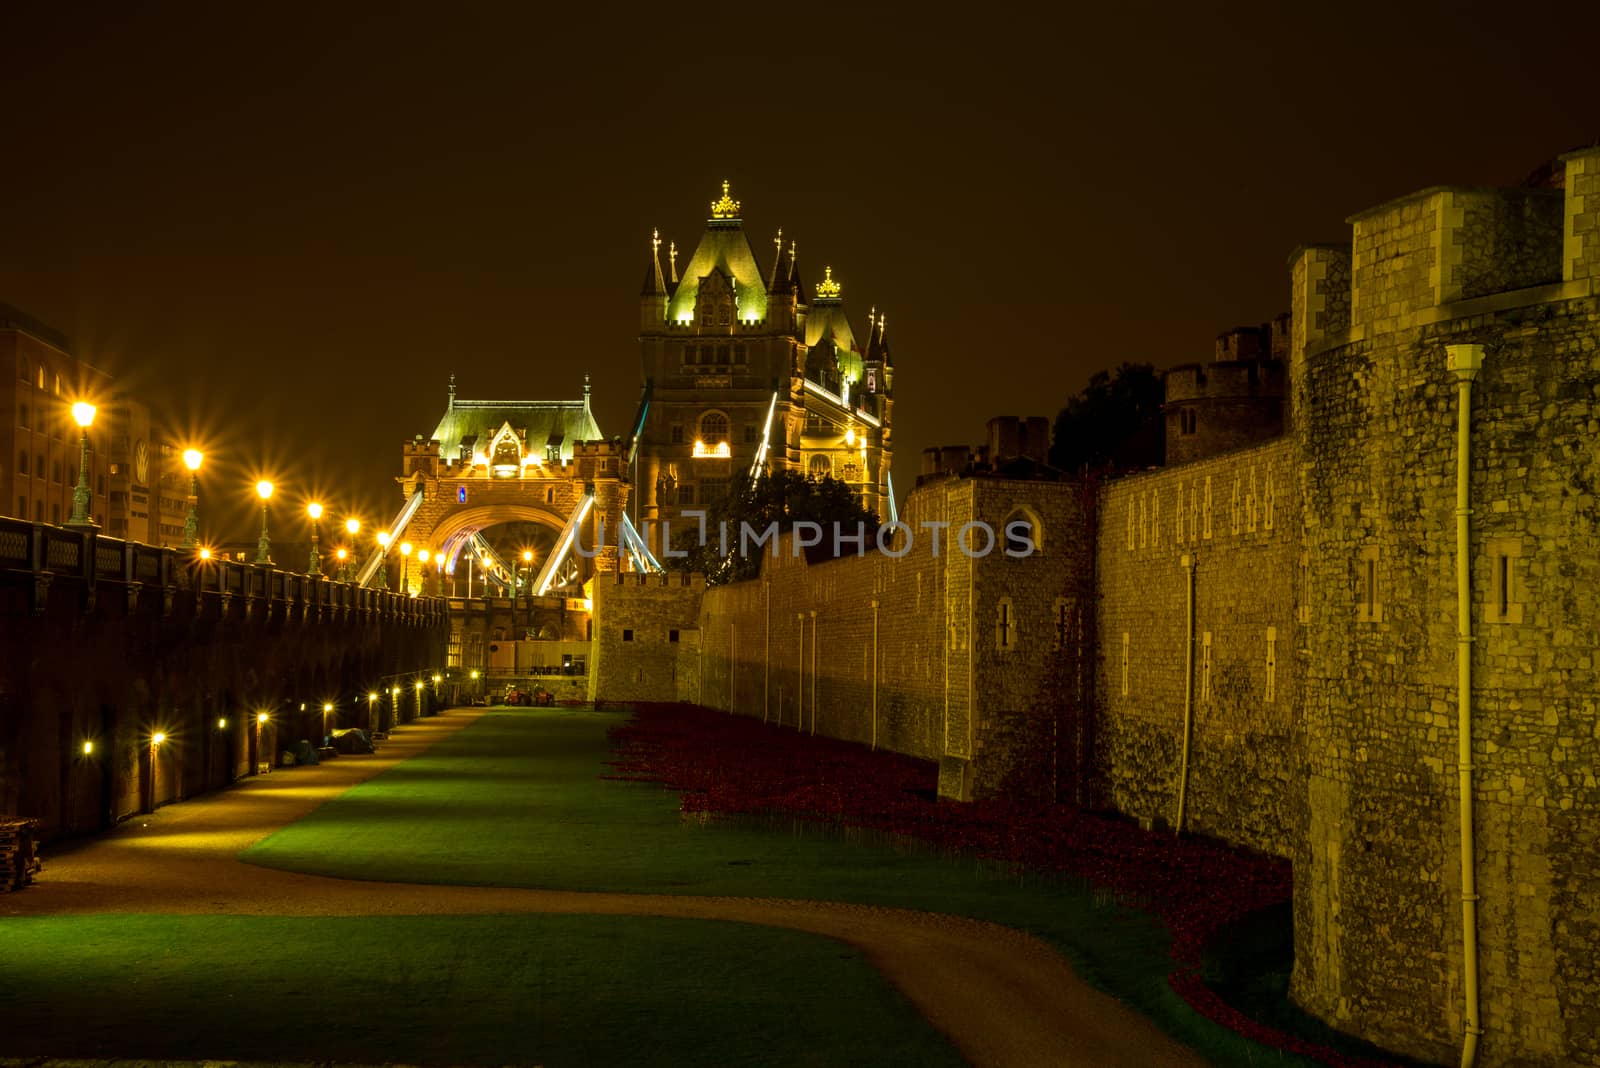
(937,653)
(646,644)
(1236,517)
(112,662)
(1378,928)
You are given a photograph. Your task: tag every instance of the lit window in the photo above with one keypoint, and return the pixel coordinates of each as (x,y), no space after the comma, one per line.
(713,428)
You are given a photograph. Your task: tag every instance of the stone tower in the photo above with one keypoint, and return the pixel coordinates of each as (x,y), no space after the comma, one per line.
(724,342)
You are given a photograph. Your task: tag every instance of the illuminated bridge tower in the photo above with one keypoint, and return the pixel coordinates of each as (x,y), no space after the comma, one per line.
(725,342)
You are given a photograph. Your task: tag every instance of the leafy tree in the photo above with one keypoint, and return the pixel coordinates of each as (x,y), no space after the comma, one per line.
(783,498)
(1115,424)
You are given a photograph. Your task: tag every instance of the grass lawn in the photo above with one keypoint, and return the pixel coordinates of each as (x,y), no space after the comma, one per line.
(516,800)
(549,990)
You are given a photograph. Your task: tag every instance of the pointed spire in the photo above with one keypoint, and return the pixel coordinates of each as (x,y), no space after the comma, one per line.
(794,274)
(586,393)
(452,403)
(777,261)
(654,284)
(672,255)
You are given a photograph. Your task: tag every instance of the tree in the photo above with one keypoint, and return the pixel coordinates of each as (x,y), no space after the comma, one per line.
(1114,424)
(783,498)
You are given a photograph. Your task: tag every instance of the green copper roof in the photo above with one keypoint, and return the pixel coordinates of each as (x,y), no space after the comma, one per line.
(541,423)
(722,247)
(826,321)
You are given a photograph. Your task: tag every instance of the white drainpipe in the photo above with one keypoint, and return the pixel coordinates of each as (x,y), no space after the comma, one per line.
(1187,560)
(1465,360)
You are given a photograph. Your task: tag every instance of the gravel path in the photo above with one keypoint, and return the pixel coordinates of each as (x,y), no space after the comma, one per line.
(1003,997)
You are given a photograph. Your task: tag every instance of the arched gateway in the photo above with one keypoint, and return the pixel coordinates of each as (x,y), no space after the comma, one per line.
(500,482)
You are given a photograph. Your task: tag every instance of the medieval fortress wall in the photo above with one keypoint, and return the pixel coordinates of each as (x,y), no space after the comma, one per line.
(1322,693)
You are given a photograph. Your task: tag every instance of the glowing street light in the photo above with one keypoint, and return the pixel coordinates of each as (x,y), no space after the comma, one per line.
(191,524)
(205,554)
(88,748)
(264,548)
(83,414)
(405,566)
(314,510)
(527,566)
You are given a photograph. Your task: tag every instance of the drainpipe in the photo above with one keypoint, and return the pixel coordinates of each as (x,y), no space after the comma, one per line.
(800,669)
(766,651)
(874,674)
(1465,360)
(1187,560)
(813,671)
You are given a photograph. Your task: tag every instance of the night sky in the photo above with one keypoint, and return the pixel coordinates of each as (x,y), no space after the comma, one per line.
(285,228)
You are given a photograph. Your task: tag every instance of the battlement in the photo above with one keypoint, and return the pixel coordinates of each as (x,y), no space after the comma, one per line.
(1411,258)
(1222,405)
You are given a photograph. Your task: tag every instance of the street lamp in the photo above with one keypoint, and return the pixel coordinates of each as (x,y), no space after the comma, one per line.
(422,570)
(383,571)
(352,527)
(314,510)
(344,563)
(83,413)
(327,707)
(527,566)
(405,565)
(191,525)
(264,547)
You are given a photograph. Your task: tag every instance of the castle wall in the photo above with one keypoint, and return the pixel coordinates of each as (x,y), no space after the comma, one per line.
(1378,928)
(1236,517)
(937,655)
(646,644)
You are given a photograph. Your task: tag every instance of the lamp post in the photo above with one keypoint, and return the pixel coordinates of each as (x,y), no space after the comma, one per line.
(191,524)
(264,547)
(383,569)
(372,712)
(352,526)
(261,723)
(405,567)
(527,566)
(314,510)
(327,707)
(83,414)
(422,571)
(344,563)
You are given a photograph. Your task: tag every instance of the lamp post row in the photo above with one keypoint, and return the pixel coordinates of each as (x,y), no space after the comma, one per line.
(83,413)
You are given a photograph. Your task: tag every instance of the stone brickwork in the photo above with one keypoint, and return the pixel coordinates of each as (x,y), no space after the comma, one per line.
(978,663)
(1236,518)
(1377,890)
(646,642)
(1580,251)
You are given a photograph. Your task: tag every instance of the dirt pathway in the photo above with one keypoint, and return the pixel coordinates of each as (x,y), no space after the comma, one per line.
(1003,997)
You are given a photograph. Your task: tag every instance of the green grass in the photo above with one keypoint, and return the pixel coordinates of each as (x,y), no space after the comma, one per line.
(550,990)
(515,800)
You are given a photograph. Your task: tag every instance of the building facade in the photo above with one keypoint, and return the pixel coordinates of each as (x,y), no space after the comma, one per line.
(42,381)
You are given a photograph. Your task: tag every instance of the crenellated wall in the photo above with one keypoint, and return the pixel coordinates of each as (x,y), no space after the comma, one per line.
(1378,927)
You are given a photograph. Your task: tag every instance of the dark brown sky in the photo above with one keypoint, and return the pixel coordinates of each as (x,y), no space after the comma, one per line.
(287,228)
